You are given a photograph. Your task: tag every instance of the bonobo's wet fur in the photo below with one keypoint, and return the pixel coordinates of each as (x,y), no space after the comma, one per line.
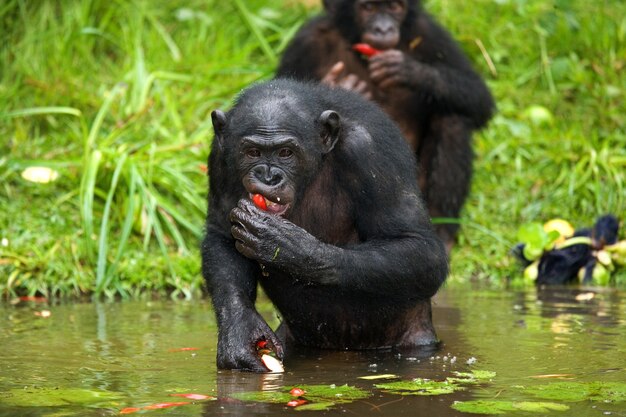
(352,261)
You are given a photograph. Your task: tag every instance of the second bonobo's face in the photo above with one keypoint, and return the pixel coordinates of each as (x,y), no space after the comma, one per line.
(379,21)
(271,163)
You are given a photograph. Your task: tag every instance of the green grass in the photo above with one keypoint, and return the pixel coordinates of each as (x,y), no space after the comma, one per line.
(116,96)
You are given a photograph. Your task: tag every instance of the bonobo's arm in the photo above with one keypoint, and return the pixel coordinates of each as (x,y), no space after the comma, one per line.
(231,281)
(390,263)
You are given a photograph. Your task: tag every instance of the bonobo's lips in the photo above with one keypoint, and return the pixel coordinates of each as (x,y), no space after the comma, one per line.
(274,208)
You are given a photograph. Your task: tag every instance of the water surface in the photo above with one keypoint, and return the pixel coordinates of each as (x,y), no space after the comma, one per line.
(96,359)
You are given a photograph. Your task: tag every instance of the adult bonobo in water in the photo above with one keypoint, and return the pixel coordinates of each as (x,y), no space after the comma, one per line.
(343,247)
(418,75)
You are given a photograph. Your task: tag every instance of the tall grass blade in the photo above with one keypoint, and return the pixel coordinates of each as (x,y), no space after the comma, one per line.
(248,20)
(35,111)
(101,267)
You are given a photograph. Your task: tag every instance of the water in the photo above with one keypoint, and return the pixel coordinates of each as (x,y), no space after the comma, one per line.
(97,359)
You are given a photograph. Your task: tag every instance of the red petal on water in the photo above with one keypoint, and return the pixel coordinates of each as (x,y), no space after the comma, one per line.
(193,396)
(165,405)
(183,349)
(129,410)
(34,299)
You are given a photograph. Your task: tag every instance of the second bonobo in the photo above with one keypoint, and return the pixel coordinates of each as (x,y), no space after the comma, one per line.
(420,77)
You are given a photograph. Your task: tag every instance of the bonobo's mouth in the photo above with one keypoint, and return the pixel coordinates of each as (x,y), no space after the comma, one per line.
(382,43)
(268,205)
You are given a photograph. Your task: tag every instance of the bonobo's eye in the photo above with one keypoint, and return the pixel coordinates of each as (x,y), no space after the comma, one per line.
(253,153)
(285,153)
(368,6)
(395,6)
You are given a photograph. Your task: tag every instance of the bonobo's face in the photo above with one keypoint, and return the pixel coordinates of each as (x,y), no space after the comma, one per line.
(269,163)
(379,21)
(274,144)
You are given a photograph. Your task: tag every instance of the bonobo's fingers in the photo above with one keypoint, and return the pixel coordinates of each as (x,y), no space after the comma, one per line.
(386,64)
(363,90)
(333,74)
(276,345)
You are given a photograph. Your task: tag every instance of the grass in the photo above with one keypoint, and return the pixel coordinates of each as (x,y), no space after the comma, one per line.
(116,97)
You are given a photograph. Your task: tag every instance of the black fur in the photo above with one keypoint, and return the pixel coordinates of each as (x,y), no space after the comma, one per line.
(353,262)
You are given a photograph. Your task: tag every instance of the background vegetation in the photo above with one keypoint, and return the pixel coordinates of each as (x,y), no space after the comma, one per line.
(116,95)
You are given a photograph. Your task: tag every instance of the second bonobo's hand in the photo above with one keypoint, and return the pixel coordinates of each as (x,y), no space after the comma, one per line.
(335,77)
(275,241)
(394,68)
(236,346)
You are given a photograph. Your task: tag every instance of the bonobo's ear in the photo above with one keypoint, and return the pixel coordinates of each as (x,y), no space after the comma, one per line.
(219,123)
(330,125)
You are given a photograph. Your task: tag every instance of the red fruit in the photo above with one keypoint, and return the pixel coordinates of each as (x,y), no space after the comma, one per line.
(261,344)
(296,403)
(259,201)
(366,49)
(296,392)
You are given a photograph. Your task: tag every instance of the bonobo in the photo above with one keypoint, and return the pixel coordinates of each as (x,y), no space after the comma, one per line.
(344,248)
(416,73)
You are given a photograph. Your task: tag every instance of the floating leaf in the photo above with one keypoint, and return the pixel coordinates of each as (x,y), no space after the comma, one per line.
(319,397)
(476,375)
(580,391)
(381,376)
(52,397)
(493,407)
(319,406)
(420,386)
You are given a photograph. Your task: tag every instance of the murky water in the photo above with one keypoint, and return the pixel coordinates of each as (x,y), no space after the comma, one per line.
(90,359)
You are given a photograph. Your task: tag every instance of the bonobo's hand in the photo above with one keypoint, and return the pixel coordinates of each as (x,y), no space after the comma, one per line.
(334,78)
(394,68)
(275,241)
(236,346)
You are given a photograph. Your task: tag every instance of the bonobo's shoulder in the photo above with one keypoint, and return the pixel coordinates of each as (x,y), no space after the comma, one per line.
(319,29)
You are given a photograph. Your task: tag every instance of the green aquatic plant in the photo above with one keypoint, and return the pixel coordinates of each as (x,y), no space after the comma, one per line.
(56,397)
(580,391)
(315,397)
(494,407)
(420,386)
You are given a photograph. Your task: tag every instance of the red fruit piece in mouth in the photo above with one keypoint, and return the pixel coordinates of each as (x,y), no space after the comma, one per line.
(259,201)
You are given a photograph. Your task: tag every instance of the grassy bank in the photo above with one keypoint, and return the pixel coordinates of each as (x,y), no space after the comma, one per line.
(116,97)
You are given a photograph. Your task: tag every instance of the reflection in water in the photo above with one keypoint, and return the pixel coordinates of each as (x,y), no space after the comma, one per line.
(134,349)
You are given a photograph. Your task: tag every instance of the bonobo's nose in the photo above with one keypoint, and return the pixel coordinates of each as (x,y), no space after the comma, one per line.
(384,28)
(268,175)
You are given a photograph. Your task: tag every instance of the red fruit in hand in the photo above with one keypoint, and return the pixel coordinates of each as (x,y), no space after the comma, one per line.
(259,201)
(366,49)
(296,392)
